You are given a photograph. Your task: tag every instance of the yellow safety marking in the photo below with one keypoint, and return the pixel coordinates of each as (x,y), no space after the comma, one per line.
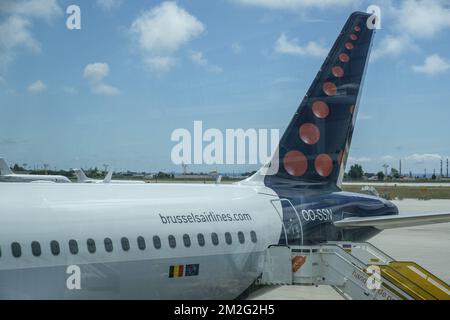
(405,284)
(423,278)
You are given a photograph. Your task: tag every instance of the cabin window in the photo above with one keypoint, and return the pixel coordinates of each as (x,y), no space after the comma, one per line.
(201,240)
(253,236)
(16,249)
(73,247)
(241,237)
(141,243)
(172,241)
(125,244)
(54,247)
(91,245)
(36,248)
(228,238)
(214,238)
(157,242)
(0,251)
(108,245)
(187,241)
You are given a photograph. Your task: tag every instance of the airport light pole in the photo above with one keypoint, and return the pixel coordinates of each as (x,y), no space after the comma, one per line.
(447,167)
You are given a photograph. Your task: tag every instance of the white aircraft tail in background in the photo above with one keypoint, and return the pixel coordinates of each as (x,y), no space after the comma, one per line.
(82,178)
(7,175)
(4,168)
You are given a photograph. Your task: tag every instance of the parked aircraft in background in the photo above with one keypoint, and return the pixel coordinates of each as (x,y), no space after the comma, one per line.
(7,175)
(82,178)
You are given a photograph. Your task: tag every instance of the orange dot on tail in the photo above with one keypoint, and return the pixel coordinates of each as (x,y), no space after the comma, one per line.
(344,57)
(357,29)
(354,37)
(329,88)
(349,46)
(309,133)
(323,165)
(338,72)
(295,163)
(320,109)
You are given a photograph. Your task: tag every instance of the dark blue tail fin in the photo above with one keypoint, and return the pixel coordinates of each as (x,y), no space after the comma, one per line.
(313,150)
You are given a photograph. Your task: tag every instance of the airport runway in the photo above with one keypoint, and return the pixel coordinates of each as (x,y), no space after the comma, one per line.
(428,245)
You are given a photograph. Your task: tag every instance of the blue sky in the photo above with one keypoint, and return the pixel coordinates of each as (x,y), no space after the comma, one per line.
(113,92)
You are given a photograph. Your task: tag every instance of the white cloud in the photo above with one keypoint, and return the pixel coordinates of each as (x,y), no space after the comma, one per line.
(15,33)
(387,158)
(95,73)
(70,90)
(43,9)
(106,89)
(285,46)
(236,48)
(423,18)
(37,86)
(298,4)
(420,158)
(198,58)
(16,25)
(162,31)
(160,63)
(215,69)
(364,116)
(433,65)
(359,160)
(283,80)
(393,46)
(414,20)
(109,4)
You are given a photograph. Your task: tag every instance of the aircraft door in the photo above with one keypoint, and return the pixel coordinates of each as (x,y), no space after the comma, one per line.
(291,223)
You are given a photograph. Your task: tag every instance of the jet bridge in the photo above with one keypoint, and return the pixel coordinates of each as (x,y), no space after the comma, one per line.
(355,270)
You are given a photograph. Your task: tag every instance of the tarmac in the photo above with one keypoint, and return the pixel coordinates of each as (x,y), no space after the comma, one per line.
(429,246)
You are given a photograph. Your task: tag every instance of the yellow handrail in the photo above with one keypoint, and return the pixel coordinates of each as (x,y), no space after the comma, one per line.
(422,278)
(405,284)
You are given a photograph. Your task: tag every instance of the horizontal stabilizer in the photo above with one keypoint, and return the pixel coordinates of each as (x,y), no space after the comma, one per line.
(397,221)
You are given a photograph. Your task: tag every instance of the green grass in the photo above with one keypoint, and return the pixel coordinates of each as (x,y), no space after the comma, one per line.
(388,192)
(402,192)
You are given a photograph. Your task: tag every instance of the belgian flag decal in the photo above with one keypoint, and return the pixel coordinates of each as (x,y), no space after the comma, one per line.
(176,271)
(188,270)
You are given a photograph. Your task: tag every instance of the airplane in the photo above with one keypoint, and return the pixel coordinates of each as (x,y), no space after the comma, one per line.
(7,175)
(82,178)
(197,241)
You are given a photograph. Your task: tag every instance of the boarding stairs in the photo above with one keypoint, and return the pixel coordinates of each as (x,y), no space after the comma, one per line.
(355,270)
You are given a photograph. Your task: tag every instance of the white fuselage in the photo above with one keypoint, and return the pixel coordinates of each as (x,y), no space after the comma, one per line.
(64,212)
(32,178)
(93,181)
